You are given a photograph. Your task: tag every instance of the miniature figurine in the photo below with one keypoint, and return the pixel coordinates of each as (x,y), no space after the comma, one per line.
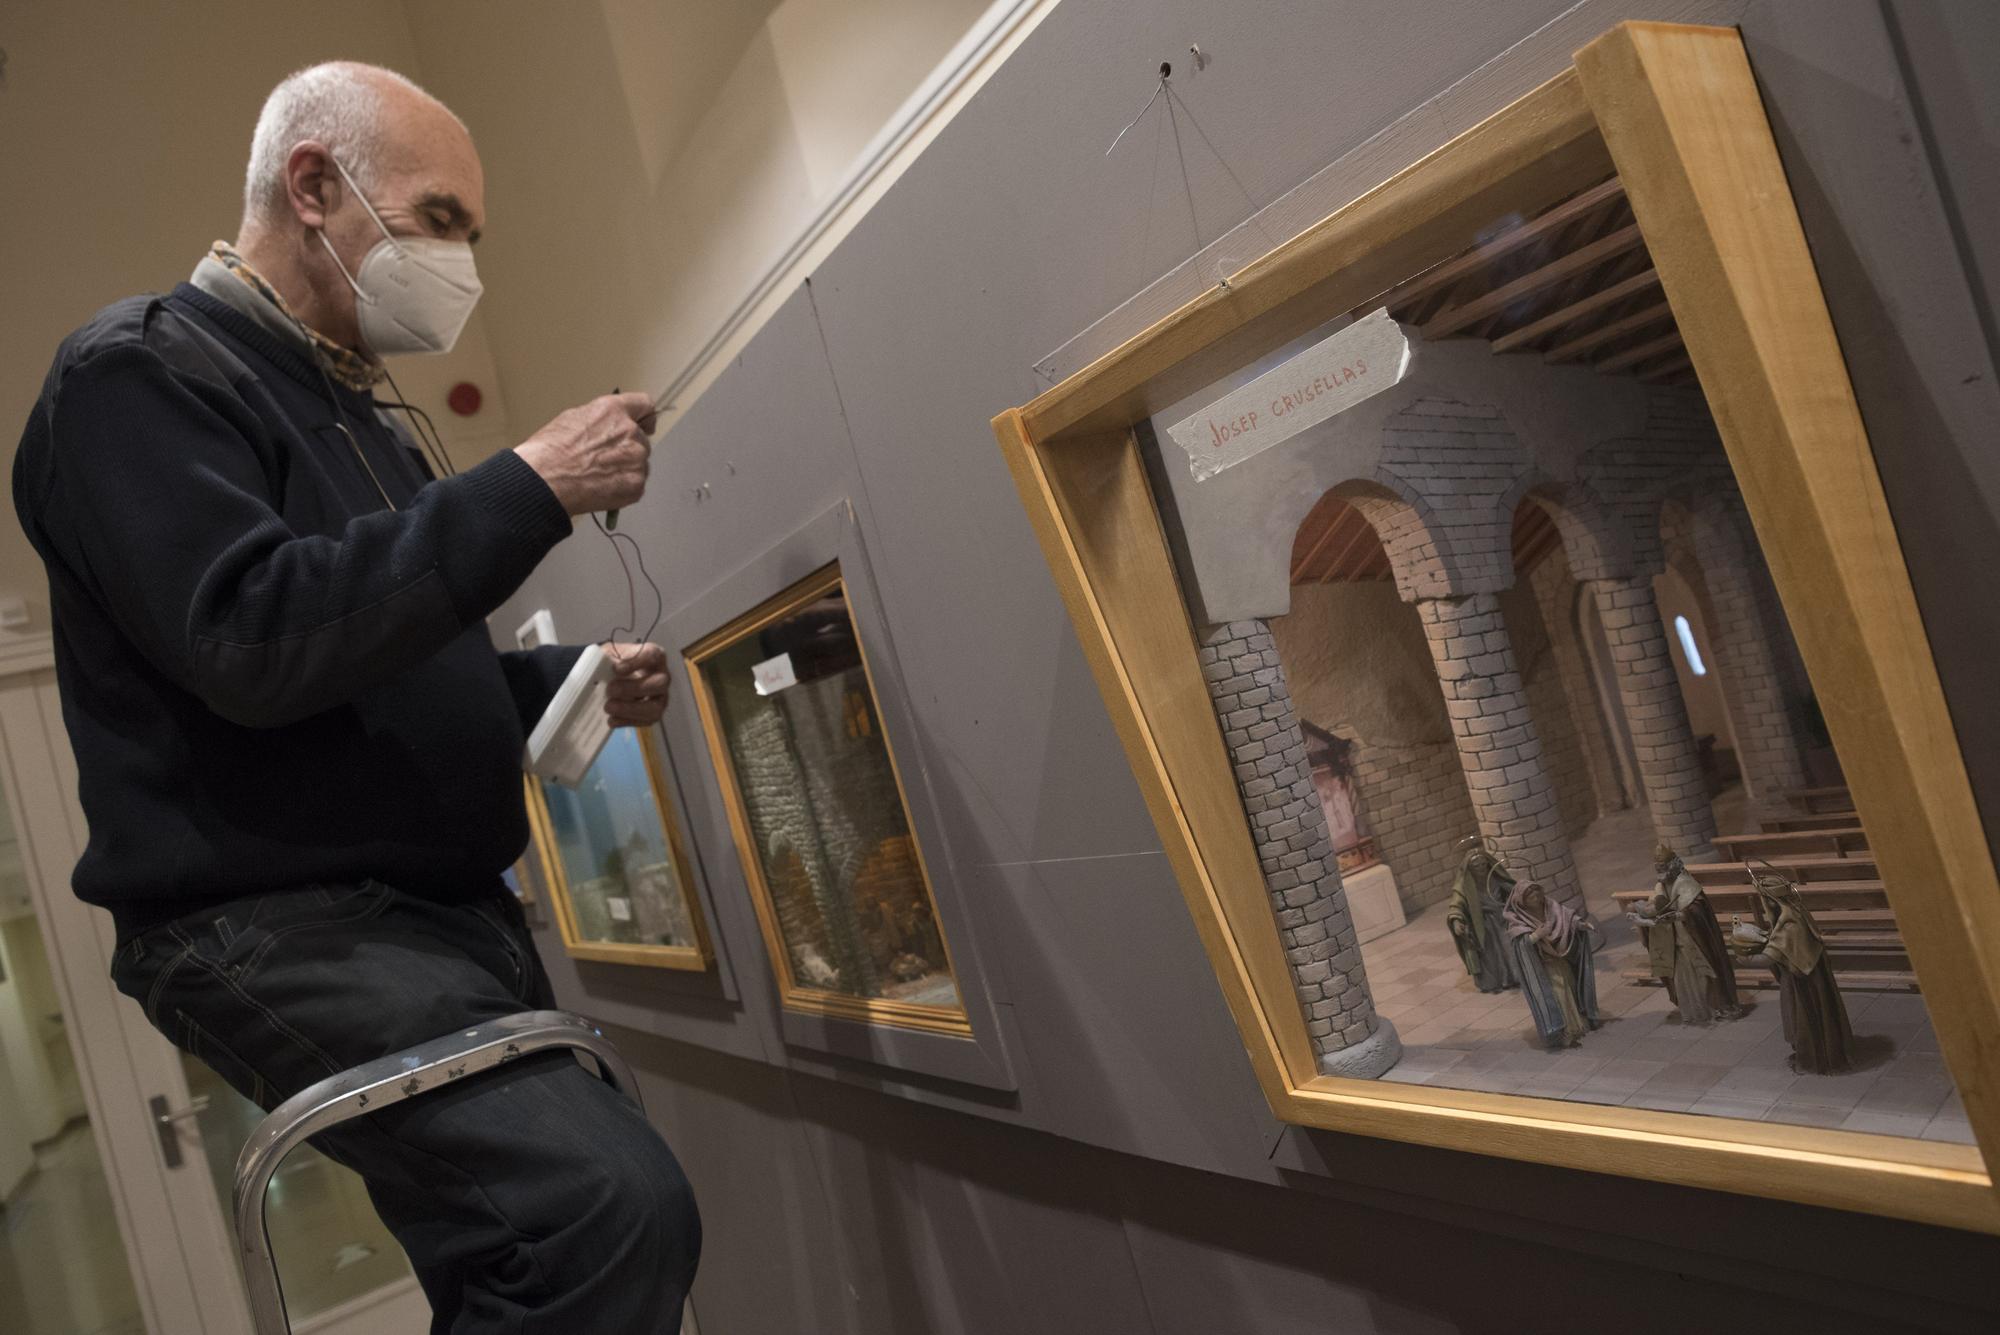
(1788,942)
(1474,916)
(1551,945)
(1685,943)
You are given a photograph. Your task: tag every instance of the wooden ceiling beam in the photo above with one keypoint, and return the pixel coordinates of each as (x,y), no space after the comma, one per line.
(1603,334)
(1667,372)
(1357,541)
(1555,271)
(1666,342)
(1451,271)
(1554,322)
(1332,521)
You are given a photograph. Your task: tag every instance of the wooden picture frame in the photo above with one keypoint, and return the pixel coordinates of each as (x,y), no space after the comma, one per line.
(533,872)
(1674,112)
(546,854)
(796,994)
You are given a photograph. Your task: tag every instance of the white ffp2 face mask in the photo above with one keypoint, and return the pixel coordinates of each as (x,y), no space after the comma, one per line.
(412,293)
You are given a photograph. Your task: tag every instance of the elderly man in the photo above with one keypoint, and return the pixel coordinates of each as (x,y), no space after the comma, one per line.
(297,749)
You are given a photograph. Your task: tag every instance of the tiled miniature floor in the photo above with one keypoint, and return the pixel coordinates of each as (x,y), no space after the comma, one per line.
(1643,1056)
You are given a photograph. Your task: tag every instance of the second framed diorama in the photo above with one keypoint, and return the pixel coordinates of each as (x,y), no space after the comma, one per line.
(1494,593)
(843,857)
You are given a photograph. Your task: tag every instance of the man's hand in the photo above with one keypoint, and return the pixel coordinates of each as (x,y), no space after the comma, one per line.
(637,696)
(595,456)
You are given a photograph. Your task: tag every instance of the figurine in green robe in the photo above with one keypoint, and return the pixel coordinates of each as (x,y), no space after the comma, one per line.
(1474,917)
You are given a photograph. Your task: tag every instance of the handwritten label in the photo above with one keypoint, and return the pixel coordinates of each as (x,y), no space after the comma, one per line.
(1334,374)
(774,675)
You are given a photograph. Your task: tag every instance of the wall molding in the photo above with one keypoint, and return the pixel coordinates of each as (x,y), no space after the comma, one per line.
(965,68)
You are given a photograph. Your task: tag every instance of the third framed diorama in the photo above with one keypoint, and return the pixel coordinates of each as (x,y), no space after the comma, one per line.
(611,856)
(1494,593)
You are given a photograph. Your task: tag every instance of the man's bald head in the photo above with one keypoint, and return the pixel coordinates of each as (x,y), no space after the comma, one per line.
(376,121)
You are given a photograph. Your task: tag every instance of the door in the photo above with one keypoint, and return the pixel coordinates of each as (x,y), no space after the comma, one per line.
(157,1134)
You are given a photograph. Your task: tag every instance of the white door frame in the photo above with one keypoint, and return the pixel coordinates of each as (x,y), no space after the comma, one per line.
(176,1239)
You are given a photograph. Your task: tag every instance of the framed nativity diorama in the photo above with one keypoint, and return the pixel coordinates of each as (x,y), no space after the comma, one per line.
(610,857)
(838,838)
(1494,592)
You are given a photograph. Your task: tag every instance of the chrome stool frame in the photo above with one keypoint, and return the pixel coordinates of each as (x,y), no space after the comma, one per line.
(364,1089)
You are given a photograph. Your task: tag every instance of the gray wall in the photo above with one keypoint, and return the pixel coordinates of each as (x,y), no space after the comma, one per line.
(1136,1181)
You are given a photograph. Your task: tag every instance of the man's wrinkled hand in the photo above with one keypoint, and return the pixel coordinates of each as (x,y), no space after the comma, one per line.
(637,696)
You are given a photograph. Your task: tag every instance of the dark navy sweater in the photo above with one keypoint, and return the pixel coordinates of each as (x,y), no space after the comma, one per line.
(270,678)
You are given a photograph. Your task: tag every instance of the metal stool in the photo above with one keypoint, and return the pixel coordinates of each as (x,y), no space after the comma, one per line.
(374,1085)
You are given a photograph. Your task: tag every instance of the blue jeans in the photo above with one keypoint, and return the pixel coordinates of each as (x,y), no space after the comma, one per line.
(531,1198)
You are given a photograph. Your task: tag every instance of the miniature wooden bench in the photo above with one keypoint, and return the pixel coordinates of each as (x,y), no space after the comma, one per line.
(1844,841)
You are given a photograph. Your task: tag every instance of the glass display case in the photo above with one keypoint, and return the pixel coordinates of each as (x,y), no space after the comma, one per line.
(612,860)
(819,815)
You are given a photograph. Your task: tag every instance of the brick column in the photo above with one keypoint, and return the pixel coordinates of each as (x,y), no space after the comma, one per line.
(1513,797)
(1301,873)
(1669,763)
(1555,594)
(1748,665)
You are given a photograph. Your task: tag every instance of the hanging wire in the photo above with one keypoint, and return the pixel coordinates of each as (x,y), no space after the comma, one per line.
(1175,99)
(1187,186)
(1161,88)
(422,427)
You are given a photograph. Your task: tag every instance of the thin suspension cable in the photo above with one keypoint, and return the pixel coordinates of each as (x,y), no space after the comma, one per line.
(1181,102)
(1187,186)
(1142,114)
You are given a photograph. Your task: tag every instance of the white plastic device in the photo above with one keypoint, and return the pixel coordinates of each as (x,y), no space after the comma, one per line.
(573,729)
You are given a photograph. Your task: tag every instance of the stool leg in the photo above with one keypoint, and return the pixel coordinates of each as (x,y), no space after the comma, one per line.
(364,1089)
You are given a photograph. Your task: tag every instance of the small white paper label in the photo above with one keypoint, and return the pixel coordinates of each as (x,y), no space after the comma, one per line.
(618,907)
(1331,376)
(774,675)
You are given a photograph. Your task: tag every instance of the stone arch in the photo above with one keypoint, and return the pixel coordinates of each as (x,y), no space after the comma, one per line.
(1420,557)
(1576,716)
(1593,542)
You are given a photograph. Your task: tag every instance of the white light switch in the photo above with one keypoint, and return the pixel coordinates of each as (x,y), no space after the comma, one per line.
(537,630)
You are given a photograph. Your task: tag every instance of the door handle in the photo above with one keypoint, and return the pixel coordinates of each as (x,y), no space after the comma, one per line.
(164,1120)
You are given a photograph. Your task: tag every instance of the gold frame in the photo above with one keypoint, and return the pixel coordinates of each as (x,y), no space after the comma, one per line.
(532,883)
(792,994)
(695,958)
(1675,112)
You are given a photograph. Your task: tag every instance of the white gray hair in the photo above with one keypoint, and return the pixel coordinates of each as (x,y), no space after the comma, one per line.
(339,104)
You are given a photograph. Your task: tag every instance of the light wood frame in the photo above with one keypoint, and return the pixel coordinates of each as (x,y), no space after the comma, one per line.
(1675,112)
(794,994)
(693,958)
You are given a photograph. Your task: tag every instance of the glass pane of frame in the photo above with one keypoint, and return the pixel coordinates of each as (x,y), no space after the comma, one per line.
(818,812)
(1534,765)
(612,858)
(1634,375)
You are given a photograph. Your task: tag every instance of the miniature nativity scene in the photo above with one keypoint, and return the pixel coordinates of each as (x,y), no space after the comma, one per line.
(1530,757)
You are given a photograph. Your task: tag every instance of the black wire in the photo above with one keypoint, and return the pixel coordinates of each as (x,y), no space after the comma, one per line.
(430,438)
(340,424)
(433,444)
(632,589)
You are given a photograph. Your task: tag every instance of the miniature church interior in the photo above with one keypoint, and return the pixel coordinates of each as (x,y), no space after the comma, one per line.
(1548,697)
